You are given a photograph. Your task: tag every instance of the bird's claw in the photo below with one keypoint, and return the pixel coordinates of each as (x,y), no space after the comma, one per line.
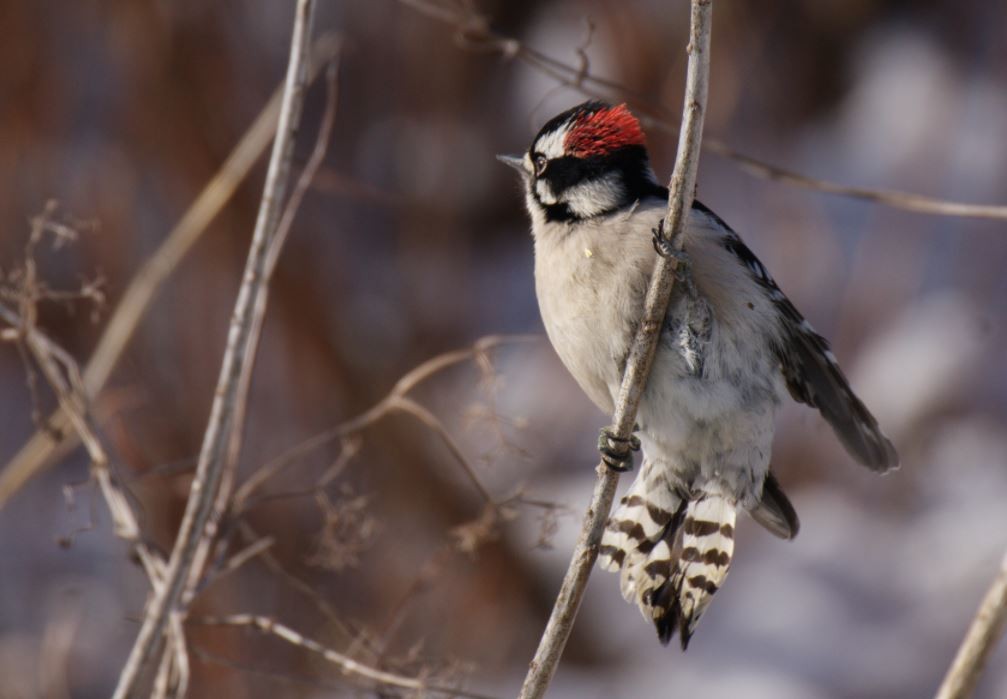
(664,248)
(617,452)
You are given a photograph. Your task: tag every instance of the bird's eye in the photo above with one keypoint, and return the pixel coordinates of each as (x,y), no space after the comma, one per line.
(540,165)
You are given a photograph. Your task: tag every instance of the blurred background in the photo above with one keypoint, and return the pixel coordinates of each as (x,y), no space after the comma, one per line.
(413,242)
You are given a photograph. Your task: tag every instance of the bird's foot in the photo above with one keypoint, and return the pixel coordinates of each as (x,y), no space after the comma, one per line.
(664,248)
(617,452)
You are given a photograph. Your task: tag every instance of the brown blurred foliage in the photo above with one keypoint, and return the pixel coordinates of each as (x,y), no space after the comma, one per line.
(413,243)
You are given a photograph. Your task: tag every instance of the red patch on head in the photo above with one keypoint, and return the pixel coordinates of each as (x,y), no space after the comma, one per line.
(602,132)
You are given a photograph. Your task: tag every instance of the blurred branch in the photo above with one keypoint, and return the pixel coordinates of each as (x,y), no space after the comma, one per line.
(396,400)
(986,629)
(42,447)
(63,376)
(302,587)
(233,451)
(473,33)
(241,342)
(347,665)
(681,188)
(887,197)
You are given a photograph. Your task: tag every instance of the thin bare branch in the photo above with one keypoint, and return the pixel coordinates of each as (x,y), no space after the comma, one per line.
(179,651)
(411,407)
(347,665)
(353,426)
(682,186)
(887,197)
(162,679)
(240,342)
(986,629)
(237,432)
(472,32)
(228,566)
(42,449)
(63,376)
(304,588)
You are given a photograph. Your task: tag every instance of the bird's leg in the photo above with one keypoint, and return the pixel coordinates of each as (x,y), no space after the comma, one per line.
(617,452)
(683,268)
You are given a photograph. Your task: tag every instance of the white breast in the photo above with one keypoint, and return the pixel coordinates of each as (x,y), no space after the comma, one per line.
(591,279)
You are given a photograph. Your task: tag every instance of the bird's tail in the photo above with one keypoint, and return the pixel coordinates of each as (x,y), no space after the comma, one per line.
(673,552)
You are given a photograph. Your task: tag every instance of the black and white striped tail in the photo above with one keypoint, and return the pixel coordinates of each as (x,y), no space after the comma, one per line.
(673,553)
(707,545)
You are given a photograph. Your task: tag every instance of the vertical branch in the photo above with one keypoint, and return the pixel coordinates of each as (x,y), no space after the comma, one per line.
(634,381)
(279,237)
(240,342)
(986,629)
(41,449)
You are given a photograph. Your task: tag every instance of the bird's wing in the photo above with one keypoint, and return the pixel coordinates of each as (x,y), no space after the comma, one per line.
(810,369)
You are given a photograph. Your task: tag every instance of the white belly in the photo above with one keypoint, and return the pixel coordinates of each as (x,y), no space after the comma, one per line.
(715,426)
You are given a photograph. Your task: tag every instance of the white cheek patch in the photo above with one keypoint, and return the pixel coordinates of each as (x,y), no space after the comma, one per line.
(551,144)
(544,191)
(595,196)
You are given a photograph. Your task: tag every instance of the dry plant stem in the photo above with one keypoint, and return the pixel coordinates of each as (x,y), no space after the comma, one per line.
(892,198)
(347,665)
(473,33)
(634,381)
(68,393)
(986,629)
(411,407)
(279,238)
(163,678)
(63,376)
(204,485)
(41,449)
(389,403)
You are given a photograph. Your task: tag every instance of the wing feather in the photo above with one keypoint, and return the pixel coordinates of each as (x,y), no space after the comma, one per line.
(811,372)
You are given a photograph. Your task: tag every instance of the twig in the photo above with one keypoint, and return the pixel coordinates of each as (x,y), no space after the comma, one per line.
(163,678)
(239,345)
(41,448)
(906,201)
(180,653)
(682,186)
(473,33)
(63,376)
(390,402)
(237,432)
(47,354)
(411,407)
(986,629)
(347,665)
(229,565)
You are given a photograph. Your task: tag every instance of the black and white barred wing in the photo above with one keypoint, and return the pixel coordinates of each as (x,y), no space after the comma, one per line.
(813,376)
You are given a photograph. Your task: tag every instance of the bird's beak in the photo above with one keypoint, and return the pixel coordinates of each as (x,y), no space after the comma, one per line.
(514,161)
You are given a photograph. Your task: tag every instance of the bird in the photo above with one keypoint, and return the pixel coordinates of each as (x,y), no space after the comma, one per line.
(731,348)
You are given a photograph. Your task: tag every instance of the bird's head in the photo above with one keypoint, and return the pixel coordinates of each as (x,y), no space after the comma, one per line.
(589,161)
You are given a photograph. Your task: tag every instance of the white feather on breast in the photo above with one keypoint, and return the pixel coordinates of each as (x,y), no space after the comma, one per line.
(591,278)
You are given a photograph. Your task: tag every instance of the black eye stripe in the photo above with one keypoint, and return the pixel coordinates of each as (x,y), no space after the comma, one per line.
(566,171)
(626,166)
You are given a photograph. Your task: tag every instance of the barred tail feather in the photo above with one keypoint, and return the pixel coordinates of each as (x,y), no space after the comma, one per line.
(639,537)
(672,553)
(707,546)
